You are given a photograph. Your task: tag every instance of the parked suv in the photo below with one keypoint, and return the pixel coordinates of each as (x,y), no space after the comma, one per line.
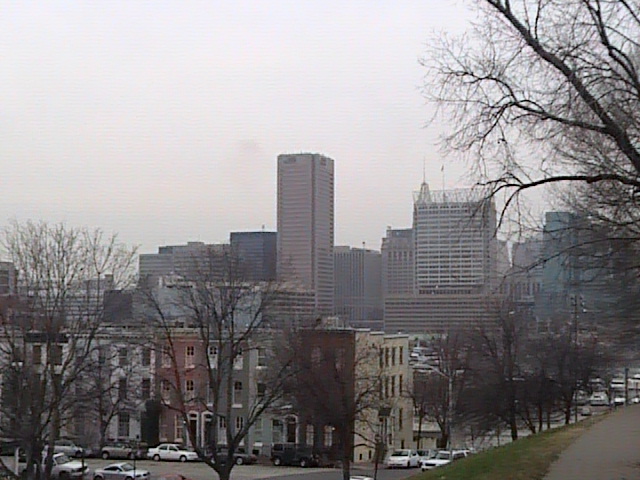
(293,454)
(240,455)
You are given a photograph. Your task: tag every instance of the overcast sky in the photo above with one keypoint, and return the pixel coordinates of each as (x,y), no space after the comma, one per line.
(162,120)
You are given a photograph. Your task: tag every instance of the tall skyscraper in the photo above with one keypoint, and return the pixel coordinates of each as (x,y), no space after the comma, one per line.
(305,225)
(455,255)
(455,242)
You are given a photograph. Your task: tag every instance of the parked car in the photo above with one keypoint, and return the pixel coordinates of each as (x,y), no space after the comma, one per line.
(68,447)
(427,454)
(403,458)
(618,401)
(240,456)
(444,457)
(293,454)
(585,411)
(171,451)
(121,450)
(64,468)
(120,471)
(599,399)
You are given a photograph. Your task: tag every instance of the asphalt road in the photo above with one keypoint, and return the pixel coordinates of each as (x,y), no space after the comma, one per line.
(200,471)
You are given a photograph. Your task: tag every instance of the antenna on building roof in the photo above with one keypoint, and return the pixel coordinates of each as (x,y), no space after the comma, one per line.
(442,171)
(424,170)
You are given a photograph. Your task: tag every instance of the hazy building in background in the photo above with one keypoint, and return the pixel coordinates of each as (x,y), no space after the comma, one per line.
(455,264)
(190,261)
(257,254)
(397,262)
(358,286)
(8,278)
(306,225)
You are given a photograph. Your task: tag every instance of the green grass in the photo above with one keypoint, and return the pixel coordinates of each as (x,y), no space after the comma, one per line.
(526,459)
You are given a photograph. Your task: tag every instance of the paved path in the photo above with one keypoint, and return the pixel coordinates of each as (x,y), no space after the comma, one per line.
(610,450)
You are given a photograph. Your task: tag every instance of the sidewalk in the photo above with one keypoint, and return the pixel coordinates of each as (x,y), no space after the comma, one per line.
(610,450)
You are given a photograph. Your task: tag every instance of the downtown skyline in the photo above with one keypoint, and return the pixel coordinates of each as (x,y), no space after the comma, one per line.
(163,123)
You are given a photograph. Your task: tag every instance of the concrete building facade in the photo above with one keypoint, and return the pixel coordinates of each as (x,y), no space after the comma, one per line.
(397,262)
(306,224)
(358,286)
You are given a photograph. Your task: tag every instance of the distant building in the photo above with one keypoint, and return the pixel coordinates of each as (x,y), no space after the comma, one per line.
(358,286)
(397,262)
(306,225)
(8,279)
(193,260)
(257,253)
(455,262)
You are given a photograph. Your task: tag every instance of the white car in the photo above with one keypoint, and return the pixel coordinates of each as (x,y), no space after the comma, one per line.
(403,458)
(171,451)
(444,457)
(599,399)
(120,471)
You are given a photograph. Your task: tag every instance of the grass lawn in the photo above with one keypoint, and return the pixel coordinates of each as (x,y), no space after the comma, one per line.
(526,459)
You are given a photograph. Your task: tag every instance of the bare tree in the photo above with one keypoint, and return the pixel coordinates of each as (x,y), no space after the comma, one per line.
(547,92)
(210,340)
(48,333)
(338,382)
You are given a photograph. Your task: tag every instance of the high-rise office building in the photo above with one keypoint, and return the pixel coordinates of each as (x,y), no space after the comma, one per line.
(358,287)
(455,255)
(455,242)
(397,262)
(256,252)
(305,225)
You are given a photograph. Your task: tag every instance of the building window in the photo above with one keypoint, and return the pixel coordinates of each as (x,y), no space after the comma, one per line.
(386,387)
(122,388)
(56,354)
(381,357)
(166,356)
(146,357)
(190,389)
(262,390)
(393,356)
(123,357)
(237,392)
(190,355)
(262,357)
(400,386)
(328,436)
(316,355)
(239,423)
(277,430)
(165,390)
(222,423)
(401,356)
(123,425)
(393,386)
(146,388)
(36,354)
(400,420)
(386,356)
(179,430)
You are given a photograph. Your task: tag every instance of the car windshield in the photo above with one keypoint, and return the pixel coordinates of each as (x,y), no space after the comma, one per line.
(62,459)
(126,467)
(443,456)
(400,453)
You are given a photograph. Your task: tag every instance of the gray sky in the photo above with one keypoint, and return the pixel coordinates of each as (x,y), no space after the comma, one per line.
(162,120)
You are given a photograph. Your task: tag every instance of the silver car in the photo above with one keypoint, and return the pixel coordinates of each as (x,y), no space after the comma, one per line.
(120,471)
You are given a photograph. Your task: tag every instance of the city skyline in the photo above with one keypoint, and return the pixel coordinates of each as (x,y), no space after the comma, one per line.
(162,123)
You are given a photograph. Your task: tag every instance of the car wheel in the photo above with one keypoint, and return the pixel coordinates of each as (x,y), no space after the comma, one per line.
(239,461)
(156,457)
(64,475)
(183,458)
(98,477)
(128,478)
(277,461)
(304,463)
(105,455)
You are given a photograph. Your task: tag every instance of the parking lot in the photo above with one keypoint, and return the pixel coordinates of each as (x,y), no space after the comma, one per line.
(200,471)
